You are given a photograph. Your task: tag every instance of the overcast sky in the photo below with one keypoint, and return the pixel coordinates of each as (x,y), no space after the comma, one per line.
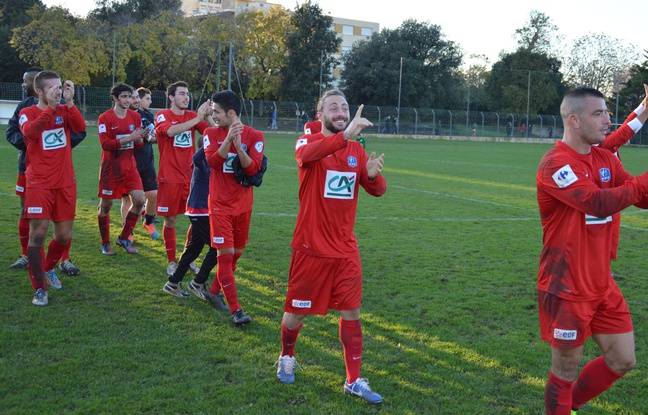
(481,27)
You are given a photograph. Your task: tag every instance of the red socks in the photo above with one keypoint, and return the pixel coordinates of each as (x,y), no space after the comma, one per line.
(225,277)
(104,228)
(129,225)
(235,260)
(289,339)
(36,257)
(351,339)
(23,234)
(558,396)
(595,378)
(170,243)
(54,252)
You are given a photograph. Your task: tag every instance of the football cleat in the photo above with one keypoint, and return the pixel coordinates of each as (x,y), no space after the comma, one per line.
(106,249)
(217,301)
(20,263)
(68,268)
(175,290)
(127,245)
(198,290)
(240,318)
(151,231)
(53,279)
(361,388)
(286,369)
(194,268)
(40,297)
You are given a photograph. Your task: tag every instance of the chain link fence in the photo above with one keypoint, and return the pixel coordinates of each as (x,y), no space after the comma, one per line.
(291,116)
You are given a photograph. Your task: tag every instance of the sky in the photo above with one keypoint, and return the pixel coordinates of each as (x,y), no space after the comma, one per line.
(480,27)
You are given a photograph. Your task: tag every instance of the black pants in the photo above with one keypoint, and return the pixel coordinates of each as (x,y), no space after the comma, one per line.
(199,238)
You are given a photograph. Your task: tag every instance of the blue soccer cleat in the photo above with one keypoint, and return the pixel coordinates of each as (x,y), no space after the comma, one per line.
(361,388)
(53,279)
(286,369)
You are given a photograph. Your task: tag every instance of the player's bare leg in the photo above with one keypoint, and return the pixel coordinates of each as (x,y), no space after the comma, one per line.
(563,374)
(103,217)
(599,374)
(136,201)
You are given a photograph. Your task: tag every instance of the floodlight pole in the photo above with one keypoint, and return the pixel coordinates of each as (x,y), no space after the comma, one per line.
(528,103)
(321,73)
(113,59)
(400,82)
(229,67)
(218,76)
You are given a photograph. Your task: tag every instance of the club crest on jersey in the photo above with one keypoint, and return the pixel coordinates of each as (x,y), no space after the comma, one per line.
(58,120)
(339,185)
(182,140)
(227,166)
(54,139)
(604,174)
(564,176)
(352,161)
(258,146)
(22,119)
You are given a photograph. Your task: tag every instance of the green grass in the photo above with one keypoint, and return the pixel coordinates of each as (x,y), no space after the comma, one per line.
(450,318)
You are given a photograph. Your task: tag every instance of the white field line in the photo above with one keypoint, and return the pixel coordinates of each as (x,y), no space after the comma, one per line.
(467,199)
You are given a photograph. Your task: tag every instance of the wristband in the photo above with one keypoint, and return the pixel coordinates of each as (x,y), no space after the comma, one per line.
(635,125)
(640,109)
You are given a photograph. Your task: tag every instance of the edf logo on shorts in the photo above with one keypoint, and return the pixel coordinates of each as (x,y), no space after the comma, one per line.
(564,176)
(339,185)
(182,140)
(604,174)
(54,139)
(301,303)
(569,335)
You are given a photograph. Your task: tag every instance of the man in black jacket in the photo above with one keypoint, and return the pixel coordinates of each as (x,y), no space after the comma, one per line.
(15,138)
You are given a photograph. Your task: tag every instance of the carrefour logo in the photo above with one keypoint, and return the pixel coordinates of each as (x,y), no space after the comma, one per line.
(54,139)
(182,140)
(339,185)
(227,166)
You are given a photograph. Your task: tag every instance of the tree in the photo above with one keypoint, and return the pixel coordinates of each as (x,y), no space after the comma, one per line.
(56,40)
(125,12)
(475,77)
(538,35)
(508,81)
(264,50)
(633,92)
(598,60)
(430,68)
(13,14)
(310,46)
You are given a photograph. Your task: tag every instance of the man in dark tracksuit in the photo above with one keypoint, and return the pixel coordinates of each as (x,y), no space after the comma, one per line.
(16,139)
(198,237)
(145,163)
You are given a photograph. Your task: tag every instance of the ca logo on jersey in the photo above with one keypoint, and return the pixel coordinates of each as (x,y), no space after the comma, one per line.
(227,166)
(182,140)
(54,139)
(339,185)
(124,146)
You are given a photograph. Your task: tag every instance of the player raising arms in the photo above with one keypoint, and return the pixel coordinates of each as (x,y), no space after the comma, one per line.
(580,186)
(15,138)
(230,202)
(120,131)
(175,130)
(325,268)
(51,185)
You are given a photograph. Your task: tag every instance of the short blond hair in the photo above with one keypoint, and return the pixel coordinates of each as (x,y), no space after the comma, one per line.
(329,93)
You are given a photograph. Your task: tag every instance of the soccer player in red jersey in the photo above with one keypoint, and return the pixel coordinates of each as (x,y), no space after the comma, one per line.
(51,185)
(175,129)
(314,126)
(230,203)
(580,186)
(325,268)
(120,131)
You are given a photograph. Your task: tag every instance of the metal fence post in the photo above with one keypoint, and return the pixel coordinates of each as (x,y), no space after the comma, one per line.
(498,123)
(297,115)
(251,114)
(379,120)
(415,121)
(450,112)
(434,127)
(482,115)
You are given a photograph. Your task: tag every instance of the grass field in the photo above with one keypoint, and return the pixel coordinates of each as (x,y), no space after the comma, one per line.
(450,318)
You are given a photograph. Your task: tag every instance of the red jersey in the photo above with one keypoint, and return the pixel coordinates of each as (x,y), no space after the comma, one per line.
(176,152)
(330,170)
(117,159)
(313,127)
(613,142)
(226,195)
(577,194)
(49,150)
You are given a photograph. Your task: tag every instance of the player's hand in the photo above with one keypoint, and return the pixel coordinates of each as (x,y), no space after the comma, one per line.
(375,165)
(234,133)
(138,135)
(645,100)
(357,124)
(204,109)
(68,93)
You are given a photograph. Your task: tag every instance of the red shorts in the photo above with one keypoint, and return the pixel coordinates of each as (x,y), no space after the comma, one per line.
(229,231)
(172,199)
(567,324)
(317,284)
(21,184)
(58,205)
(112,189)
